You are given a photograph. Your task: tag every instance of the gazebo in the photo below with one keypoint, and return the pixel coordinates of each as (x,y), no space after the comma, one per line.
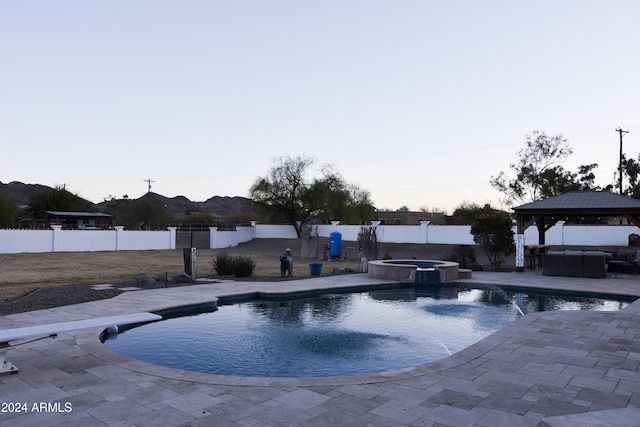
(547,212)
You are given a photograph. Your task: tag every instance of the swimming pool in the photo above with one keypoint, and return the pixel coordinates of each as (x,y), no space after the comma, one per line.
(336,334)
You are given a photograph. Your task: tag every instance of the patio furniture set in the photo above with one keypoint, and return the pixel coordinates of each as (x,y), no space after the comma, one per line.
(590,263)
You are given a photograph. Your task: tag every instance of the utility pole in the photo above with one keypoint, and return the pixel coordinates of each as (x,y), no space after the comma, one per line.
(621,132)
(149,181)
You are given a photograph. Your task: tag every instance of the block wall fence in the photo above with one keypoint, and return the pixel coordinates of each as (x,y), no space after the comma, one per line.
(59,240)
(118,239)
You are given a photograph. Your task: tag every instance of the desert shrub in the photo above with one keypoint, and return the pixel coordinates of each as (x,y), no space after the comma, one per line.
(492,232)
(243,266)
(238,266)
(368,239)
(465,255)
(223,264)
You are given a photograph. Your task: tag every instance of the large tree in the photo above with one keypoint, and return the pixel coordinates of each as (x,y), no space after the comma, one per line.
(538,173)
(142,213)
(491,230)
(58,199)
(630,176)
(8,210)
(288,191)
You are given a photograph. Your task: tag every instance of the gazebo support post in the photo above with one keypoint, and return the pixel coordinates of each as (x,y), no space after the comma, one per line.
(520,227)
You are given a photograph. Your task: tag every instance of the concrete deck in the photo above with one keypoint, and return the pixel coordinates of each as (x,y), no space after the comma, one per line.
(546,369)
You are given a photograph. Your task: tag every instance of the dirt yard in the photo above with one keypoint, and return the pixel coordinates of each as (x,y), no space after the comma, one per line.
(22,274)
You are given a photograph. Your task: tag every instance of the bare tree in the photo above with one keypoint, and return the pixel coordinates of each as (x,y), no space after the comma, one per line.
(368,240)
(289,193)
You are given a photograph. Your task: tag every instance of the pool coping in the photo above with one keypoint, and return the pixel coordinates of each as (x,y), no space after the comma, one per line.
(545,369)
(405,269)
(476,350)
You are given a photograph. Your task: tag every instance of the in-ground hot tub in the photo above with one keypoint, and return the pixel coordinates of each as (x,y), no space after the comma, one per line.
(404,270)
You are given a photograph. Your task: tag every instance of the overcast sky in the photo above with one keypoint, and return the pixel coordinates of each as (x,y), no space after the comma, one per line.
(418,102)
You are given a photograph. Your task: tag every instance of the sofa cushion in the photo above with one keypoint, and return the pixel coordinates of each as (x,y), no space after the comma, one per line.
(555,253)
(573,253)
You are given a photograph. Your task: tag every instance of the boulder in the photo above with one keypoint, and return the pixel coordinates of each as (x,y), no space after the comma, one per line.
(182,278)
(145,279)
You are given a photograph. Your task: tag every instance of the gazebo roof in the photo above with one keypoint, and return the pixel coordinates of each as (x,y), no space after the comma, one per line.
(582,203)
(545,213)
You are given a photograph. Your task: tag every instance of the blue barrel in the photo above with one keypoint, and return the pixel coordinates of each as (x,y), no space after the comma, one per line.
(335,244)
(315,268)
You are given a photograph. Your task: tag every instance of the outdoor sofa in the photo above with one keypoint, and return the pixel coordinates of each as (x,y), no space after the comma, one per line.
(573,263)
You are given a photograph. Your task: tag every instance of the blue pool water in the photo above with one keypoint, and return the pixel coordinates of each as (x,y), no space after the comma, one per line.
(336,334)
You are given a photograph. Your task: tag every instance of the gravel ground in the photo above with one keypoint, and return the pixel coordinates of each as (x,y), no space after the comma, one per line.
(76,294)
(55,297)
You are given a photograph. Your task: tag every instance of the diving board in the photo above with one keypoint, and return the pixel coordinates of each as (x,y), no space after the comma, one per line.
(53,329)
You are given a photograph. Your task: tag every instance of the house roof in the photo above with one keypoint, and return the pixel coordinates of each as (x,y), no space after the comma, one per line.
(582,203)
(78,214)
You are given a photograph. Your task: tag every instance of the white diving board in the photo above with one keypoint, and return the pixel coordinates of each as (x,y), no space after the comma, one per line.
(53,329)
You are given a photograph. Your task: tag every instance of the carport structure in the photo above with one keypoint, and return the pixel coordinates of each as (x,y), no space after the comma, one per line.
(547,212)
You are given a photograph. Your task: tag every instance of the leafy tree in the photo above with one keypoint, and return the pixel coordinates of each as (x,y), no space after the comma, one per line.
(200,218)
(631,177)
(57,199)
(538,173)
(555,181)
(466,213)
(587,177)
(492,231)
(338,200)
(361,207)
(288,193)
(465,256)
(139,213)
(8,210)
(329,195)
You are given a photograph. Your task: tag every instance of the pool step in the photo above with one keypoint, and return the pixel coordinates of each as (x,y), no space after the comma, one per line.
(464,273)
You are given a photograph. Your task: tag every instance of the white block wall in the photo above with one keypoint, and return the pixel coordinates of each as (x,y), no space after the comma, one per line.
(583,235)
(58,240)
(273,231)
(20,241)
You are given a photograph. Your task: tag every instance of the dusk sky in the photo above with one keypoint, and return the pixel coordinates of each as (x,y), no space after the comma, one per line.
(418,102)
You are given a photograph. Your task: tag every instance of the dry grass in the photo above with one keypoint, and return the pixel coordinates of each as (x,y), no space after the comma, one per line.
(25,273)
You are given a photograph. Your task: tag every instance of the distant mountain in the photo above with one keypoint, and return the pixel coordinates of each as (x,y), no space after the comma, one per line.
(226,206)
(177,206)
(218,206)
(21,193)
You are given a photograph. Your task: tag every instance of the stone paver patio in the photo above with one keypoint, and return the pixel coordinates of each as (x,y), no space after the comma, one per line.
(545,369)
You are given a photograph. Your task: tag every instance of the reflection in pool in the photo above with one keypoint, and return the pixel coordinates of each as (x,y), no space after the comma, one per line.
(336,334)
